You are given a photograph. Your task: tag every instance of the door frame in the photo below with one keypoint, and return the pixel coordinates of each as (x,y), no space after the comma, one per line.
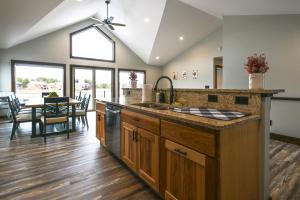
(216,67)
(93,68)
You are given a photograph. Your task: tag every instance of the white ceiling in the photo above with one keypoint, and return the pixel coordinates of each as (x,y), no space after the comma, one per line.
(23,20)
(220,8)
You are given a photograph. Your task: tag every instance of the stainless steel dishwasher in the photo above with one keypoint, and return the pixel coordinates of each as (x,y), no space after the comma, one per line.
(113,131)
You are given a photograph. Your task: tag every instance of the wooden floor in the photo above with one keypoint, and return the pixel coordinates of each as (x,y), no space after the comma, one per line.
(285,171)
(79,168)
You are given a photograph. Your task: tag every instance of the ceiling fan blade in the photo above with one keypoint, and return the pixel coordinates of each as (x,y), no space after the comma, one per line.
(118,24)
(98,20)
(110,19)
(111,27)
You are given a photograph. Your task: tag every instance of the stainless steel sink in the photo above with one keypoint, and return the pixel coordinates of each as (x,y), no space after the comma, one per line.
(156,106)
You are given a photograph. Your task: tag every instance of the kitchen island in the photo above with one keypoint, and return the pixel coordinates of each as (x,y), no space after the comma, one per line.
(183,156)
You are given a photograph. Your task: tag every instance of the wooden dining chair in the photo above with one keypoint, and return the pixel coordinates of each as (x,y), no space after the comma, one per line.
(19,118)
(55,111)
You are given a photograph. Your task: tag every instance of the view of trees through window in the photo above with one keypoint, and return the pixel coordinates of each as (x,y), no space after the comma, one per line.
(31,80)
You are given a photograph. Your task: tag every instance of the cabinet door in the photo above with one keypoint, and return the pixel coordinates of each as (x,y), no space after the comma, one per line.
(185,173)
(102,129)
(148,159)
(98,119)
(129,145)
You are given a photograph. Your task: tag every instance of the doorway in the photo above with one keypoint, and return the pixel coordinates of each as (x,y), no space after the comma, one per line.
(95,81)
(218,72)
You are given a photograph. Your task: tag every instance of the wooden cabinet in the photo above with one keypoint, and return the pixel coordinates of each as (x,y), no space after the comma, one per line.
(139,150)
(185,173)
(148,157)
(100,127)
(129,145)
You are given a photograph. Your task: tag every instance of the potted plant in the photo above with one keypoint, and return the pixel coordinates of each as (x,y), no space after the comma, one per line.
(133,79)
(256,67)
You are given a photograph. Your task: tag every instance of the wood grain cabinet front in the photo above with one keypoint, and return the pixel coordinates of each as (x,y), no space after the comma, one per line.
(140,152)
(100,127)
(186,174)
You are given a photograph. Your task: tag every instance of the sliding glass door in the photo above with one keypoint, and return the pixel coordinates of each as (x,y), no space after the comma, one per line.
(94,81)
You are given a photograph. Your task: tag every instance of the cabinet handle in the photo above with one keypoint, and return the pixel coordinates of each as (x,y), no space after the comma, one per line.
(132,137)
(180,152)
(99,117)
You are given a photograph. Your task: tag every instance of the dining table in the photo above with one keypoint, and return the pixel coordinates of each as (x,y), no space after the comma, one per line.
(36,103)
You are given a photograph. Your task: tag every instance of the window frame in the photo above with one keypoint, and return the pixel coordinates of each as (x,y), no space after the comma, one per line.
(129,70)
(94,68)
(95,59)
(13,71)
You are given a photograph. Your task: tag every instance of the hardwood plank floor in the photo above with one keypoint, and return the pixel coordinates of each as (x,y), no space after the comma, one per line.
(79,168)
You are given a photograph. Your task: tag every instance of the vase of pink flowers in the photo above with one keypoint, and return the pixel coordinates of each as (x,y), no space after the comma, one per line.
(256,67)
(133,79)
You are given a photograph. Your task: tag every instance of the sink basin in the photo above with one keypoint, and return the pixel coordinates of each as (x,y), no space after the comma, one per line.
(156,106)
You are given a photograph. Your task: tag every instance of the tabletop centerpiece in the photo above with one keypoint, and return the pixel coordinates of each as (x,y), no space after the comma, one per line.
(256,67)
(133,79)
(53,94)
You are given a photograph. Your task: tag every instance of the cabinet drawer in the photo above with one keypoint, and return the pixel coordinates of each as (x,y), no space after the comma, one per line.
(188,153)
(100,107)
(146,122)
(199,140)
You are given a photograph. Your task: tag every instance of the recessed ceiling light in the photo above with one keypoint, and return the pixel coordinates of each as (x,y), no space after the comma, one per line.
(146,20)
(79,0)
(181,38)
(157,58)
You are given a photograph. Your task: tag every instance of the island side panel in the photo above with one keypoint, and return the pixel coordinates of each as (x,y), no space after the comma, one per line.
(239,162)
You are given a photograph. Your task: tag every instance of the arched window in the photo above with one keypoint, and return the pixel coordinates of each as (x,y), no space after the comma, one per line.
(93,44)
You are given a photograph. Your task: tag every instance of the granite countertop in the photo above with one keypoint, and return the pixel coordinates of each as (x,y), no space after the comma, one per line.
(185,118)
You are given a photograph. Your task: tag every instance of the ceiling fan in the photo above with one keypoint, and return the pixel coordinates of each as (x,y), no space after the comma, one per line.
(108,21)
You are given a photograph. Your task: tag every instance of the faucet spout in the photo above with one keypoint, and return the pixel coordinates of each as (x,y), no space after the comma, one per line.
(171,87)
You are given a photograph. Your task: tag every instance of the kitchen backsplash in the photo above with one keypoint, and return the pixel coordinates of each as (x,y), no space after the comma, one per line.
(249,103)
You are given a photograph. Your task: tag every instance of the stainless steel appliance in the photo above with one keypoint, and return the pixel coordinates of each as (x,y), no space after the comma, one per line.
(113,131)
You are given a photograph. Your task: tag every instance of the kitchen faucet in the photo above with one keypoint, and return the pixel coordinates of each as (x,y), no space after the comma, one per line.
(171,87)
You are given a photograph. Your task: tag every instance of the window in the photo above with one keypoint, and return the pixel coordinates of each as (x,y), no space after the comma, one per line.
(95,81)
(124,81)
(93,44)
(30,79)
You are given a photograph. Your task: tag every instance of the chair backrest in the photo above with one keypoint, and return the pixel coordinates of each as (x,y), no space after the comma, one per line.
(56,107)
(86,103)
(83,101)
(45,94)
(78,98)
(12,107)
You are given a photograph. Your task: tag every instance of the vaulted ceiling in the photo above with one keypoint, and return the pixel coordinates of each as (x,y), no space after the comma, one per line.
(153,27)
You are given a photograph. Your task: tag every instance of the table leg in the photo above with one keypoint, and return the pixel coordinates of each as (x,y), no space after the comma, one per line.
(33,132)
(73,118)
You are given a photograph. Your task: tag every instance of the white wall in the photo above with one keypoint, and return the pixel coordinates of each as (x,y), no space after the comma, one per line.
(199,57)
(54,47)
(279,38)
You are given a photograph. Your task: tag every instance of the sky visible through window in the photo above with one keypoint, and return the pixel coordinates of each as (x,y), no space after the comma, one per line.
(91,43)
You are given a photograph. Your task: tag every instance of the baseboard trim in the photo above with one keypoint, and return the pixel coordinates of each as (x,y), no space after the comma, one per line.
(285,138)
